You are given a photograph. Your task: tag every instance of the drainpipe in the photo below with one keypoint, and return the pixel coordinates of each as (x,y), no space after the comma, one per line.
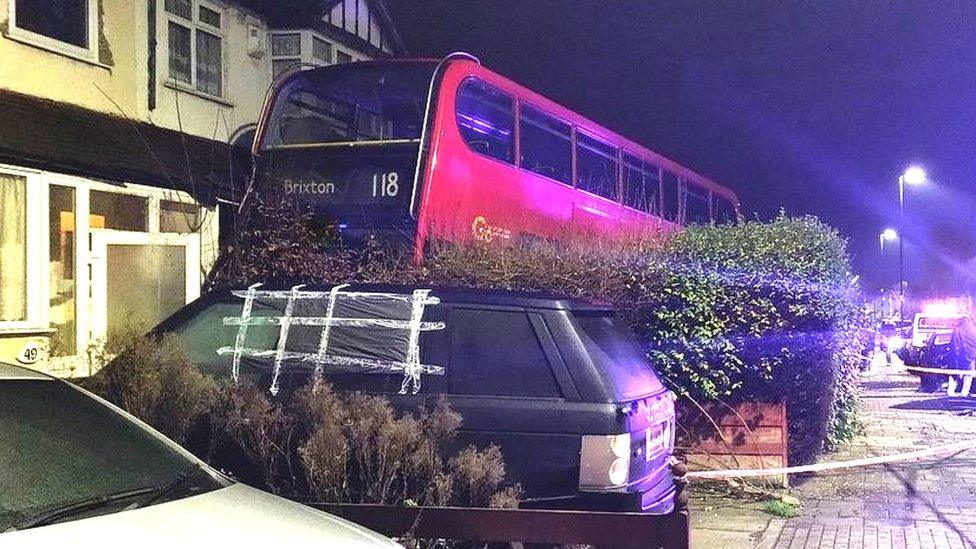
(151,57)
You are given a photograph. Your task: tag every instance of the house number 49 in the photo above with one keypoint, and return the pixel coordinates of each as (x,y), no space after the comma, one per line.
(29,354)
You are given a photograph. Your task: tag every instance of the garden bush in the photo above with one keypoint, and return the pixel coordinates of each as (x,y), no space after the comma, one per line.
(763,311)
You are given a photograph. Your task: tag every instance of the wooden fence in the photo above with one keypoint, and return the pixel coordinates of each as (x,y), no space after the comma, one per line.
(753,436)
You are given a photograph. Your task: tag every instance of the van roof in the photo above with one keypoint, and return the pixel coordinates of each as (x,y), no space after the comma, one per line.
(454,294)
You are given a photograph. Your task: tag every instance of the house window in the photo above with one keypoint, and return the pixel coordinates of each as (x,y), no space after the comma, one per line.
(13,248)
(65,26)
(122,212)
(286,50)
(195,45)
(343,57)
(178,217)
(321,51)
(300,47)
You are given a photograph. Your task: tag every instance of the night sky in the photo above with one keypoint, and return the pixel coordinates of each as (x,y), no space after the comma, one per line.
(815,107)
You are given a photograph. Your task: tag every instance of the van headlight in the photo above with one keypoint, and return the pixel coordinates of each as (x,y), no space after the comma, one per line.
(604,461)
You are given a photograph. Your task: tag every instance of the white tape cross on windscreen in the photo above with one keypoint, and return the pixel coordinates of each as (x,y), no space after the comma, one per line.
(324,342)
(411,367)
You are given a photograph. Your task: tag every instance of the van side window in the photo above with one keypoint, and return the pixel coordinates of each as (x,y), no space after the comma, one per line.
(496,353)
(547,144)
(486,118)
(596,166)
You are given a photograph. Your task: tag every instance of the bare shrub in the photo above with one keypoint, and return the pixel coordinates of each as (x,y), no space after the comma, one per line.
(263,430)
(325,452)
(359,450)
(154,380)
(478,475)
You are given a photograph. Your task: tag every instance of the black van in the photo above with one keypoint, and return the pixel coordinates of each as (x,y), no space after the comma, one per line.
(560,385)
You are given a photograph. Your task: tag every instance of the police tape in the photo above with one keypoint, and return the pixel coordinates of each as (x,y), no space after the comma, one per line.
(944,371)
(952,448)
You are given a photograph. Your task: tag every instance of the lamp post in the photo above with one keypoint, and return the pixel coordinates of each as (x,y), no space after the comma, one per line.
(912,176)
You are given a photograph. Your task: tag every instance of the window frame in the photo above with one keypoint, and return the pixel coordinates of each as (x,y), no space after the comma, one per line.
(717,199)
(196,25)
(36,253)
(558,371)
(89,53)
(621,154)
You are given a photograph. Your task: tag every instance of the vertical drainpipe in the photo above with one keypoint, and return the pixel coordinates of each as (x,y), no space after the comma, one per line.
(151,57)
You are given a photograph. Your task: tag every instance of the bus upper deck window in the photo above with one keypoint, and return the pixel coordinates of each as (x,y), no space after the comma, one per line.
(642,185)
(596,166)
(696,208)
(670,196)
(486,119)
(350,103)
(724,211)
(547,144)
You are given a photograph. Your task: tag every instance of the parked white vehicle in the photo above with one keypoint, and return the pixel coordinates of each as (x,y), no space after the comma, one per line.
(76,471)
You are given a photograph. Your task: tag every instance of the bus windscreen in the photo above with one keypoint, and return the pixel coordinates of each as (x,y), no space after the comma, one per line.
(357,102)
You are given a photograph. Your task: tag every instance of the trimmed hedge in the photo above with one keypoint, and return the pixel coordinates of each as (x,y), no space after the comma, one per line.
(754,311)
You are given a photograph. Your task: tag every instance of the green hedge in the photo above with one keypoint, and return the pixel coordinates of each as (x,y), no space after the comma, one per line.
(755,311)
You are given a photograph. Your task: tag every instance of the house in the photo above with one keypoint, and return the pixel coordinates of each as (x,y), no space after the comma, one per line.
(125,129)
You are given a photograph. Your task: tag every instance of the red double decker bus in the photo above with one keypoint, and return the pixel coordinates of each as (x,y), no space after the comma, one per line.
(453,151)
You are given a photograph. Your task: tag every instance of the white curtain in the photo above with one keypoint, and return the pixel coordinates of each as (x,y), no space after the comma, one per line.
(13,248)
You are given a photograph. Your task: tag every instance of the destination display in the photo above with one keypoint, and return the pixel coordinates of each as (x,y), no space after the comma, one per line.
(377,177)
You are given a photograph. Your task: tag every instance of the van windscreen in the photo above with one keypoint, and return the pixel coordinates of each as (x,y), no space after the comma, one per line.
(617,355)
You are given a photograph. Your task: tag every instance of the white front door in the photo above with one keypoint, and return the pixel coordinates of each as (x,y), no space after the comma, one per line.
(138,279)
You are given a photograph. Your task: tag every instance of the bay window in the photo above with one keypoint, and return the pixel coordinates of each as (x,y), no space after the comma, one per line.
(300,47)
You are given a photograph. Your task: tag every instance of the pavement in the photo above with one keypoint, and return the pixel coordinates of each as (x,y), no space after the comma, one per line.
(919,504)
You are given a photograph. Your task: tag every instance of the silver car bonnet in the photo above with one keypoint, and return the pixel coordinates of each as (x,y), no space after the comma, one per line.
(234,517)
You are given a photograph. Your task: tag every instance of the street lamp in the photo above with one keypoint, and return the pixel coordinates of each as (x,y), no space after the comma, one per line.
(887,235)
(914,175)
